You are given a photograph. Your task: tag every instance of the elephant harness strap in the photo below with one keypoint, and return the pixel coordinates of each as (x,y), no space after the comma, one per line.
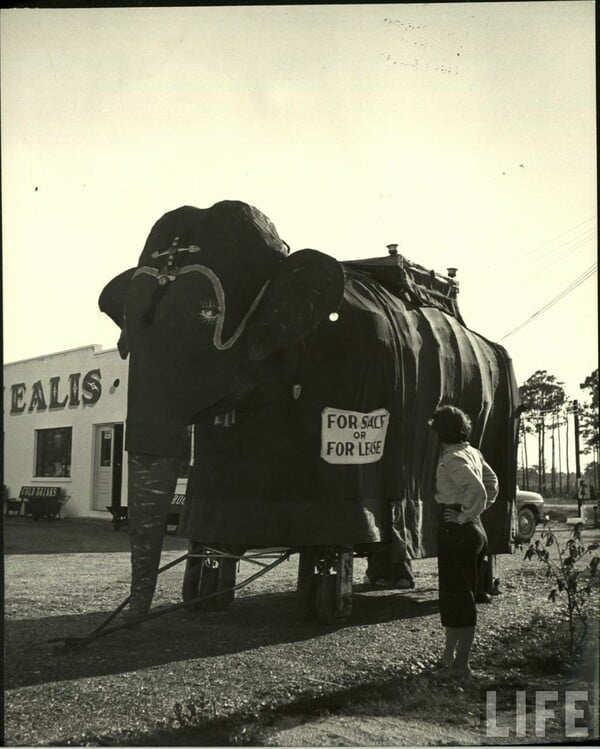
(170,273)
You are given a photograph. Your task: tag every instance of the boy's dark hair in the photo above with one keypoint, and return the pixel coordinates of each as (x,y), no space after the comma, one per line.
(451,424)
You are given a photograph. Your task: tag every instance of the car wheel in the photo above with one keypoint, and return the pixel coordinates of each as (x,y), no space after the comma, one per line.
(526,524)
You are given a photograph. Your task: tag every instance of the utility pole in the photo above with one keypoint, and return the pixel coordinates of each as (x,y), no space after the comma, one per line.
(553,471)
(560,485)
(567,451)
(577,463)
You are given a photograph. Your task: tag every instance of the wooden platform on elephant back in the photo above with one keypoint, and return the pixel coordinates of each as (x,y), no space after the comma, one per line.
(412,282)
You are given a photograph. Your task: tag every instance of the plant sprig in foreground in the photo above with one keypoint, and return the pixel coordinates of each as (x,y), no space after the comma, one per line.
(573,569)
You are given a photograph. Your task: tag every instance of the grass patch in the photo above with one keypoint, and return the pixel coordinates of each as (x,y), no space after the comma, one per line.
(531,656)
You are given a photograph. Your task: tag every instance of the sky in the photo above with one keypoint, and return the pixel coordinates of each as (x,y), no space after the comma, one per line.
(465,133)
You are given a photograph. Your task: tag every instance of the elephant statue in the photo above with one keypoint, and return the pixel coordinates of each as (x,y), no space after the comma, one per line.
(310,383)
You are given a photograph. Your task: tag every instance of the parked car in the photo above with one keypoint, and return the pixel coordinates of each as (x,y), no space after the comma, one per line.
(530,509)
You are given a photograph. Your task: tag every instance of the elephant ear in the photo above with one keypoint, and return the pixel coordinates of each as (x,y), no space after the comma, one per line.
(305,289)
(112,303)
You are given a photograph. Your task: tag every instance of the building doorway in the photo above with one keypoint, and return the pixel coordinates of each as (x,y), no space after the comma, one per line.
(108,466)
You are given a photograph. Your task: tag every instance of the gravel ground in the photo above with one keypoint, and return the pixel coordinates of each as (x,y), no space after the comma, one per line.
(149,687)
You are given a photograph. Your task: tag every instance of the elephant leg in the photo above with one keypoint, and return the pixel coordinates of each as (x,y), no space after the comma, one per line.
(151,486)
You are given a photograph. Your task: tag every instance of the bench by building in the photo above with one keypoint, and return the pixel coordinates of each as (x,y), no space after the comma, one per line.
(38,501)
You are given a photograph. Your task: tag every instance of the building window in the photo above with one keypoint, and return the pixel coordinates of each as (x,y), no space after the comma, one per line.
(185,455)
(53,452)
(106,448)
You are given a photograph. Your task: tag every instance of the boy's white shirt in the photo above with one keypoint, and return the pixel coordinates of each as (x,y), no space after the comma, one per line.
(464,478)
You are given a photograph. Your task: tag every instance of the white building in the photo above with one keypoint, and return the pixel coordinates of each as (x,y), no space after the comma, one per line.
(64,419)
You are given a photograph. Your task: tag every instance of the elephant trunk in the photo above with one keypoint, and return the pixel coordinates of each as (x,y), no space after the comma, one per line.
(151,487)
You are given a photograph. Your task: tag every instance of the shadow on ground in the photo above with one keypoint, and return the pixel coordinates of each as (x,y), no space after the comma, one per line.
(251,622)
(242,728)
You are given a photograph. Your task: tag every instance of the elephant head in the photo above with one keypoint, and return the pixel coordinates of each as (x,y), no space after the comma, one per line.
(211,315)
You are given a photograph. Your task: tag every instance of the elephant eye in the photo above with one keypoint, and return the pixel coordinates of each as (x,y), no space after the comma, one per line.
(209,312)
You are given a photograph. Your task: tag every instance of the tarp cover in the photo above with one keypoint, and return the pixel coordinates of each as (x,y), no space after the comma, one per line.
(322,463)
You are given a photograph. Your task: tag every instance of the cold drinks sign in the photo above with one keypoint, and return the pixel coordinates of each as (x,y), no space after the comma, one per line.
(353,437)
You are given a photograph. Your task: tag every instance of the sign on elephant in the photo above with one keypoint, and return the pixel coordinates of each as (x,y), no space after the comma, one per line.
(352,437)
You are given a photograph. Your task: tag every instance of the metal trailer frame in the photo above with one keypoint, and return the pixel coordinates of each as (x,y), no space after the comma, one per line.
(324,589)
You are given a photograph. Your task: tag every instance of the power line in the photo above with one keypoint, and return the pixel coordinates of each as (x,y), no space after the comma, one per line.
(554,254)
(558,236)
(567,290)
(572,286)
(576,239)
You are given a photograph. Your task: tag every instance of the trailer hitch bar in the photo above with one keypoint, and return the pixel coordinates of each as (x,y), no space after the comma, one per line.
(77,643)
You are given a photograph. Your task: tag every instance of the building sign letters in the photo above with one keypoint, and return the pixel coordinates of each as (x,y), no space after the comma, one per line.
(353,437)
(77,390)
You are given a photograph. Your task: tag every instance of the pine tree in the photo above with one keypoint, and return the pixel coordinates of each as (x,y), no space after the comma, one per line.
(541,396)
